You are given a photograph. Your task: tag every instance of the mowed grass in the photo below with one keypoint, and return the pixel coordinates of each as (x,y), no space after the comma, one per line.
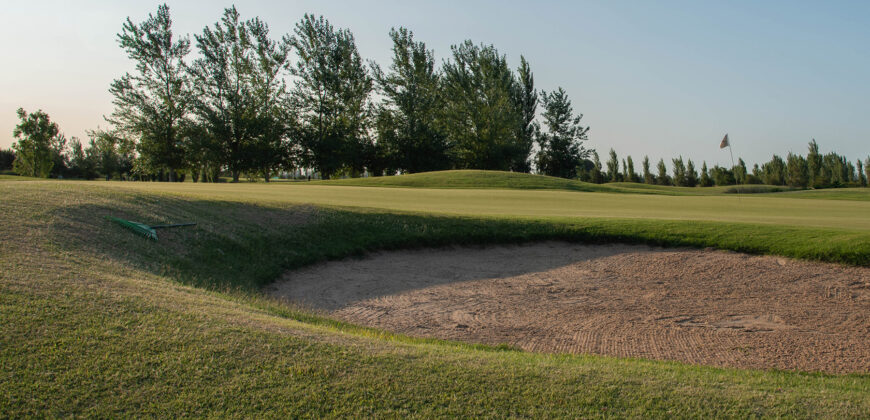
(773,209)
(95,321)
(477,179)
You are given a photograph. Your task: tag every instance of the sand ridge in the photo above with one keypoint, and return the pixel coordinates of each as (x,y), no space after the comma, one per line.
(698,306)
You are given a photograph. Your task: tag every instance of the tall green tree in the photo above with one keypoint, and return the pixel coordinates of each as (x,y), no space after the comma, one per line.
(561,144)
(330,97)
(152,104)
(82,164)
(867,171)
(104,149)
(740,171)
(271,149)
(722,176)
(679,170)
(526,99)
(613,167)
(597,176)
(480,115)
(662,178)
(774,171)
(705,180)
(240,92)
(34,152)
(648,177)
(691,174)
(797,170)
(630,174)
(407,121)
(814,165)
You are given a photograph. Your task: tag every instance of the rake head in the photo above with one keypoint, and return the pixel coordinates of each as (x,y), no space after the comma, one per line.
(139,228)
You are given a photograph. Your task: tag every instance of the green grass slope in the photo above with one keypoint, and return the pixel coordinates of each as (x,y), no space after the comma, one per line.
(551,205)
(469,178)
(95,321)
(478,179)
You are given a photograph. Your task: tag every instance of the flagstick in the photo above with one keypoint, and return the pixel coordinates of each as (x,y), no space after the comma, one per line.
(731,151)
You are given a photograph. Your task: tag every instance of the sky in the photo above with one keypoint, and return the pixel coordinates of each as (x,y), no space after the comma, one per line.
(656,78)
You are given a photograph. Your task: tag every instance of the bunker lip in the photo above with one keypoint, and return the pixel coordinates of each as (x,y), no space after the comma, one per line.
(706,307)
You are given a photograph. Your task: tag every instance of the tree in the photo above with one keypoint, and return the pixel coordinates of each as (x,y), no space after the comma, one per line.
(597,177)
(691,174)
(834,171)
(630,174)
(152,105)
(407,121)
(662,178)
(480,115)
(705,180)
(239,97)
(797,169)
(330,96)
(270,149)
(867,171)
(814,165)
(36,134)
(105,153)
(82,163)
(526,100)
(722,176)
(679,170)
(561,146)
(613,167)
(648,177)
(59,156)
(740,171)
(774,172)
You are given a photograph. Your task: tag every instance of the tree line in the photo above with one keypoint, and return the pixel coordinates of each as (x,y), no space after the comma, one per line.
(250,104)
(815,170)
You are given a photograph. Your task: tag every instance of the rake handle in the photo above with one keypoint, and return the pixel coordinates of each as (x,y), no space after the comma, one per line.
(172,226)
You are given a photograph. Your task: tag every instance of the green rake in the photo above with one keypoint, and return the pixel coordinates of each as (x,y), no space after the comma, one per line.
(149,232)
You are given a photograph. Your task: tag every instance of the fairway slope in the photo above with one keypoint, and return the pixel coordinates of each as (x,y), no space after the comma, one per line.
(479,179)
(469,178)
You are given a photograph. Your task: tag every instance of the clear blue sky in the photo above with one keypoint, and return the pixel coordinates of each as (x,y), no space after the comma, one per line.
(654,78)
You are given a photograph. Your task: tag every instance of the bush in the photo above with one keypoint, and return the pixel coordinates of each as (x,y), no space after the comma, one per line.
(755,189)
(7,156)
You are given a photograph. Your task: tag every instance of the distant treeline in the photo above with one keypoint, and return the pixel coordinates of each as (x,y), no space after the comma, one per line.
(255,105)
(816,170)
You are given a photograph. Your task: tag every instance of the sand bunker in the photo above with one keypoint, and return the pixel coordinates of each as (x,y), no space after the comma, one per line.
(697,306)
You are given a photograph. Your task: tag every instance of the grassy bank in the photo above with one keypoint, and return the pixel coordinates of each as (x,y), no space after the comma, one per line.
(477,179)
(95,321)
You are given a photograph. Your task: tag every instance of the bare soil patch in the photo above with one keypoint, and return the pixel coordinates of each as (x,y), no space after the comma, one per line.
(698,306)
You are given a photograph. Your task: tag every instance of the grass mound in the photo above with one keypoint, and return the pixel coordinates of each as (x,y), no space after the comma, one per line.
(469,178)
(98,322)
(478,179)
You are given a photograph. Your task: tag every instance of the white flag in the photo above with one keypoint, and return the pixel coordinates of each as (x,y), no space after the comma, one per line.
(724,143)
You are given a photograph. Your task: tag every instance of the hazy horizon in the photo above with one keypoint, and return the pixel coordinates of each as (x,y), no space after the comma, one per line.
(651,79)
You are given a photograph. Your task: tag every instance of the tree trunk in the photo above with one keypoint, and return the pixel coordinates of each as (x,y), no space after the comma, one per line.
(235,176)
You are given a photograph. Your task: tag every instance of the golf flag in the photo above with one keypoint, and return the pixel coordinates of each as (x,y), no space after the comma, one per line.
(724,143)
